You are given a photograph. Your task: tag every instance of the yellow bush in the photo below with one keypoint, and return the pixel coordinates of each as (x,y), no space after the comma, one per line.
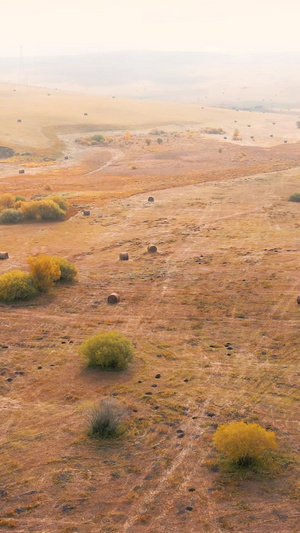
(16,286)
(44,271)
(7,200)
(42,210)
(243,443)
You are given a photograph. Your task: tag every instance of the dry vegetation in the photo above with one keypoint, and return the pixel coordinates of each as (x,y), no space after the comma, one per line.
(212,316)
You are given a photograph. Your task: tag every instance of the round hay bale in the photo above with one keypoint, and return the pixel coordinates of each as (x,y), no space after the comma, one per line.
(4,255)
(150,199)
(298,299)
(124,256)
(113,298)
(86,213)
(21,171)
(152,248)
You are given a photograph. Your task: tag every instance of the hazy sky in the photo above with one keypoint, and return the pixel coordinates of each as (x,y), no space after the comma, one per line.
(72,26)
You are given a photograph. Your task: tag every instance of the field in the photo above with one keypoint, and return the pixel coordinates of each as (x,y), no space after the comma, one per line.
(226,271)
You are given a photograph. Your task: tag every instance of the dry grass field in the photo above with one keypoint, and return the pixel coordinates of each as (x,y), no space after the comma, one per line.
(226,271)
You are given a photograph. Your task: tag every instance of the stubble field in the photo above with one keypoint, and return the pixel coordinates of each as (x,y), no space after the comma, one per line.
(226,271)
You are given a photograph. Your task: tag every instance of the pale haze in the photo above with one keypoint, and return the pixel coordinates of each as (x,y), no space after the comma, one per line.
(75,26)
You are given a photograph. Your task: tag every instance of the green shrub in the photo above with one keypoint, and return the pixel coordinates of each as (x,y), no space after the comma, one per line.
(61,201)
(107,350)
(17,285)
(295,197)
(44,271)
(67,271)
(244,444)
(298,124)
(106,420)
(98,137)
(20,199)
(10,216)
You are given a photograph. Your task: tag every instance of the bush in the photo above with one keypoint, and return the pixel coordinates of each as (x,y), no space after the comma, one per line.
(67,271)
(295,197)
(98,137)
(44,271)
(60,201)
(107,350)
(244,444)
(17,285)
(6,200)
(106,420)
(298,124)
(20,199)
(42,210)
(10,216)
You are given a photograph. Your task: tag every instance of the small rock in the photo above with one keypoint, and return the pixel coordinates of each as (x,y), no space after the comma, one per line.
(189,508)
(157,376)
(66,508)
(40,367)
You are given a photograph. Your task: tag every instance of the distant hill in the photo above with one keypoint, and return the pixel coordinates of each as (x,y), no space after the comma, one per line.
(249,81)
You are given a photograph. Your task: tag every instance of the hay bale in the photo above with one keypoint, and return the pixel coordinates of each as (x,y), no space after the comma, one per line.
(113,298)
(124,256)
(152,249)
(150,199)
(298,299)
(4,255)
(86,213)
(21,171)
